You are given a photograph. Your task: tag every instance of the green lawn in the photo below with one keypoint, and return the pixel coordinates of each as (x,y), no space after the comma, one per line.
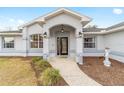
(16,71)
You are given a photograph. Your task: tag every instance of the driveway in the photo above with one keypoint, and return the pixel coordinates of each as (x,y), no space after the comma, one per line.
(71,72)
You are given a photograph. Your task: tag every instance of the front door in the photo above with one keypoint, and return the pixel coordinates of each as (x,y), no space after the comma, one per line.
(62,45)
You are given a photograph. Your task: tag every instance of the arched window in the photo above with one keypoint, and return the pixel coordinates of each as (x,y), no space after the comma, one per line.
(36,41)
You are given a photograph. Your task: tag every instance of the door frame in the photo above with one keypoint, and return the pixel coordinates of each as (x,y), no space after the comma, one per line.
(59,51)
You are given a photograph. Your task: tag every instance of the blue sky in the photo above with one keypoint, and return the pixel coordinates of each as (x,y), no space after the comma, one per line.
(102,17)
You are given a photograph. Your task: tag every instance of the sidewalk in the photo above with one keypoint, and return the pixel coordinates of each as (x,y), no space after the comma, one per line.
(71,72)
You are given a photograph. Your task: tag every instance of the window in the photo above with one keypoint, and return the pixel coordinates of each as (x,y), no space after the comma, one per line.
(89,42)
(8,42)
(36,41)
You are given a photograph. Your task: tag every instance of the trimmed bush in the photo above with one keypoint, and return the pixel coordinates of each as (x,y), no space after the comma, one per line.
(35,59)
(41,65)
(50,76)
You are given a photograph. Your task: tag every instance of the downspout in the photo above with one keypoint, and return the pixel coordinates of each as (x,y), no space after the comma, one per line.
(25,38)
(26,47)
(26,43)
(82,43)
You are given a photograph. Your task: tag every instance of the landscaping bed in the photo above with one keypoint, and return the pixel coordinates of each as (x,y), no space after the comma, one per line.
(107,76)
(21,71)
(46,75)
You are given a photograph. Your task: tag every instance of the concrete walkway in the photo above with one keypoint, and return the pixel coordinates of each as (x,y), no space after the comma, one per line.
(71,72)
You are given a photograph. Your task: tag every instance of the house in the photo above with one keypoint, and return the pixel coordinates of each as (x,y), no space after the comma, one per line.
(63,32)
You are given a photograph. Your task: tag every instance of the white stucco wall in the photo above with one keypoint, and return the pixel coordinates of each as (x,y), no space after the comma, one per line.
(38,29)
(68,32)
(18,43)
(100,42)
(99,46)
(34,29)
(72,43)
(16,51)
(66,19)
(63,19)
(115,41)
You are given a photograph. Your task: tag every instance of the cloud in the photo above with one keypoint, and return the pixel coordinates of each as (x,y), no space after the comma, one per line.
(117,11)
(8,22)
(1,16)
(12,20)
(20,21)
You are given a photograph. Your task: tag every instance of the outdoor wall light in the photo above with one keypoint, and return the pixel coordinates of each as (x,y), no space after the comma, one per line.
(62,28)
(45,34)
(80,34)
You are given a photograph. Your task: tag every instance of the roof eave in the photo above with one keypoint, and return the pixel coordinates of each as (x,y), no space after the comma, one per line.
(11,34)
(106,31)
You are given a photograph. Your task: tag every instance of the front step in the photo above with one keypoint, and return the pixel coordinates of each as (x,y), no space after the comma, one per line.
(62,58)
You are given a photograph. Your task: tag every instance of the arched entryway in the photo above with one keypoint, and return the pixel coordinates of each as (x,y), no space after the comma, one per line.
(62,40)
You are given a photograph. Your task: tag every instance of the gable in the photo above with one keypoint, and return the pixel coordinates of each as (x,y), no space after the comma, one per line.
(63,15)
(64,11)
(35,29)
(63,18)
(42,19)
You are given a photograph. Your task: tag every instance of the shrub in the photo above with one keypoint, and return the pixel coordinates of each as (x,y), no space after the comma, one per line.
(35,59)
(41,65)
(50,77)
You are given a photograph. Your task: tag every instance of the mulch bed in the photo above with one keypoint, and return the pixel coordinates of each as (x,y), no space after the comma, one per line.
(107,76)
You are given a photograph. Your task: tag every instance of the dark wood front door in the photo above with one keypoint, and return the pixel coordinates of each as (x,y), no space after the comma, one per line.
(62,46)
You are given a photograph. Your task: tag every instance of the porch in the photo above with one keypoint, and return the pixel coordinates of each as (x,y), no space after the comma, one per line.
(63,39)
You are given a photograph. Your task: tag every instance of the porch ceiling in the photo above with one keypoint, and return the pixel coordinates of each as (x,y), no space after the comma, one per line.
(65,27)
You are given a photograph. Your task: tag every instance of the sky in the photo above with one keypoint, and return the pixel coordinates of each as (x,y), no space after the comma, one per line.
(12,17)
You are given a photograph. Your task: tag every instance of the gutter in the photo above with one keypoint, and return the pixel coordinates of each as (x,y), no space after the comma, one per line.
(10,33)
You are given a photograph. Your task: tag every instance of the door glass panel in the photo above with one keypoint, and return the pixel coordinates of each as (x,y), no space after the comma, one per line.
(64,45)
(58,46)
